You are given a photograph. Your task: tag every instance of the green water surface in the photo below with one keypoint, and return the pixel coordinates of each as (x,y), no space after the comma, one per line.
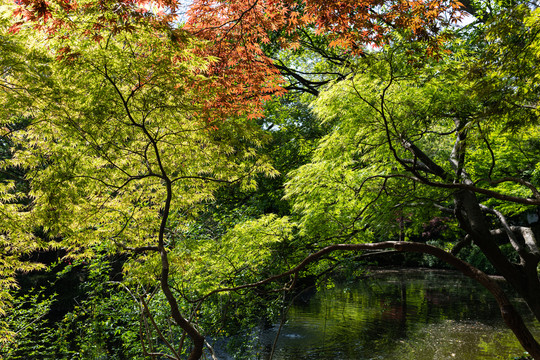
(395,315)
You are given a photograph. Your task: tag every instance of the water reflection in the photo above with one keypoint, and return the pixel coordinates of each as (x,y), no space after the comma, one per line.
(395,315)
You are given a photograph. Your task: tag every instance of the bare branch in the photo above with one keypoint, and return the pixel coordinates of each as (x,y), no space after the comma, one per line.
(520,181)
(466,241)
(160,334)
(457,156)
(212,352)
(516,244)
(526,254)
(475,189)
(492,154)
(161,354)
(426,160)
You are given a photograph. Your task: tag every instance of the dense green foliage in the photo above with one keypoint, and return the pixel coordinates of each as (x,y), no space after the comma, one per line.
(114,156)
(116,130)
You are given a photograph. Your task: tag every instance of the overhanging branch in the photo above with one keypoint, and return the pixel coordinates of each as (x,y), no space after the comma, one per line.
(511,317)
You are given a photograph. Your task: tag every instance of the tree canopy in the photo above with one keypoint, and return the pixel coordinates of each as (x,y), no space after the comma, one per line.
(118,139)
(134,128)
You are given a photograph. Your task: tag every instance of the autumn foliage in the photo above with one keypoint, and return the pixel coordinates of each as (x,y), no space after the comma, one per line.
(349,23)
(237,30)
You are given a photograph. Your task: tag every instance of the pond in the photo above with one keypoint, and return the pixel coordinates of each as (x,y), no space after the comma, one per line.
(397,314)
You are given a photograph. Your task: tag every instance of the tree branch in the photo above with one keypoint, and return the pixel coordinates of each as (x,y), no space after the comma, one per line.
(516,244)
(508,312)
(520,181)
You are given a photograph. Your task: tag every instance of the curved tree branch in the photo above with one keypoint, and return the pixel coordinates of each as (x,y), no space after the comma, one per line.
(509,314)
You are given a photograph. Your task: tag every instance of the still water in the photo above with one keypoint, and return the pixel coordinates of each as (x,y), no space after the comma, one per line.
(391,315)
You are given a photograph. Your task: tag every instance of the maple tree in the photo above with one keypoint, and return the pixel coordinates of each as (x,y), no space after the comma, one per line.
(214,73)
(416,141)
(349,28)
(349,24)
(244,77)
(239,31)
(335,31)
(504,93)
(124,132)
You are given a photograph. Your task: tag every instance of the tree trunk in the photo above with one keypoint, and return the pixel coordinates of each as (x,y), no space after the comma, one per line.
(196,337)
(523,278)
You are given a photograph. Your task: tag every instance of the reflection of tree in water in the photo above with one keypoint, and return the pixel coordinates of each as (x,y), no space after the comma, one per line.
(397,311)
(374,315)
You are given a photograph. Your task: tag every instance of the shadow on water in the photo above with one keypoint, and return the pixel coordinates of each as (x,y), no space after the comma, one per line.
(391,315)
